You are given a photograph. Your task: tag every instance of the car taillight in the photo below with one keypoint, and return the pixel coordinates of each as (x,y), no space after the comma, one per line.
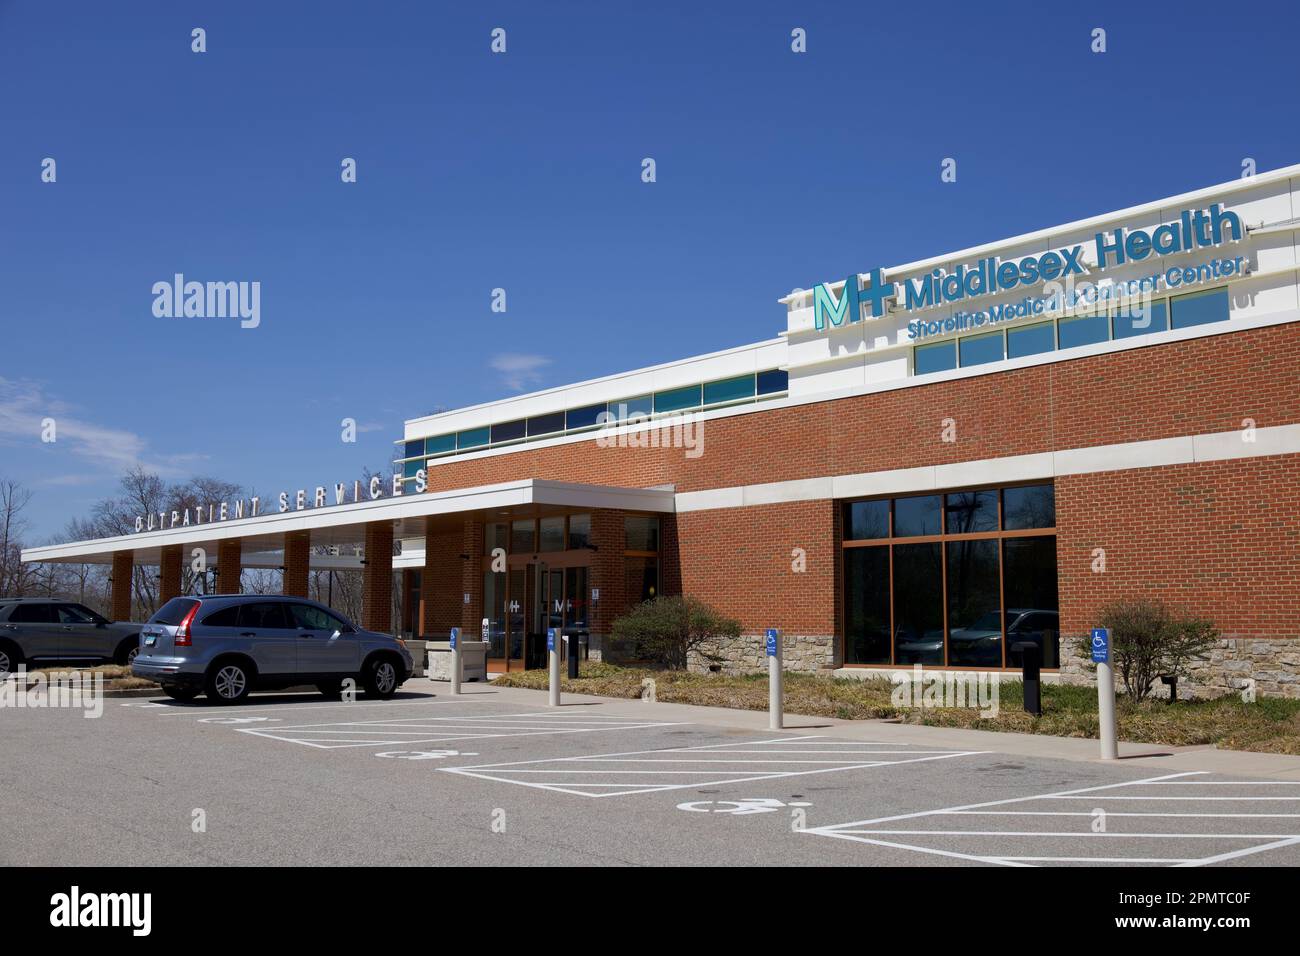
(183,637)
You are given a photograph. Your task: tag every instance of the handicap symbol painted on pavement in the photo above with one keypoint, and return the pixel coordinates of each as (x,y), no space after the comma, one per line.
(423,754)
(739,808)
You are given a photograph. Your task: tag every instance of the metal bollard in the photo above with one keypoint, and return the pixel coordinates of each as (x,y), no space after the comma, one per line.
(552,669)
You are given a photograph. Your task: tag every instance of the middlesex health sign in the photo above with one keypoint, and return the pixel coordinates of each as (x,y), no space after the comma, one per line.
(1194,229)
(287,501)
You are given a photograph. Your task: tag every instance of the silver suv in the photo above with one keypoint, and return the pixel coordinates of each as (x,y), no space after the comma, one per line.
(45,629)
(226,645)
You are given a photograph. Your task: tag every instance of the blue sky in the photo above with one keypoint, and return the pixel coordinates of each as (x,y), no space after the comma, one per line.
(522,171)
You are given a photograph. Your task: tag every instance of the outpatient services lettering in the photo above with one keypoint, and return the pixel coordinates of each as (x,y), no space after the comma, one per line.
(287,501)
(989,276)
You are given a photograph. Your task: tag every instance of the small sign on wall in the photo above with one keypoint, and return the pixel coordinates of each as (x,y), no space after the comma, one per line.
(466,597)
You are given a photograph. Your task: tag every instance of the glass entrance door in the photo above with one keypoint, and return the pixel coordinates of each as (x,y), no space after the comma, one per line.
(517,612)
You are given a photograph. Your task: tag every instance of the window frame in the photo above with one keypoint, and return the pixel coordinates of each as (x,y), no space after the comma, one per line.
(942,538)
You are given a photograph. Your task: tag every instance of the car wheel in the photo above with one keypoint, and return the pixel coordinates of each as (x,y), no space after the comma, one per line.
(228,682)
(380,678)
(181,693)
(10,658)
(332,689)
(127,651)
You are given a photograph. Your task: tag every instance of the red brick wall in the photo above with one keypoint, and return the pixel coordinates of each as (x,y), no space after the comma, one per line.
(471,579)
(739,560)
(377,578)
(1220,538)
(169,573)
(297,561)
(440,585)
(609,535)
(230,561)
(1183,388)
(120,602)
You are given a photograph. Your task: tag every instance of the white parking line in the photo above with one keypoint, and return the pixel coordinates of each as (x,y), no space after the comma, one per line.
(933,835)
(334,735)
(275,707)
(717,761)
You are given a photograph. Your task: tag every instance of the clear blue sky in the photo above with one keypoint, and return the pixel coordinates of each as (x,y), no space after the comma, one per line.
(522,171)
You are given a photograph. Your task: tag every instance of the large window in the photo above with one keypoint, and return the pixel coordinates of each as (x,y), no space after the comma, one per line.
(961,579)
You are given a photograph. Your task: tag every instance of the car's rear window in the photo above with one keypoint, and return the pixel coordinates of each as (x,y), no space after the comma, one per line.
(173,612)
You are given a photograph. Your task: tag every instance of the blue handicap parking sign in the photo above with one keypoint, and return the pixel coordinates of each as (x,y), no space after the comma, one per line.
(550,639)
(455,637)
(772,637)
(1100,645)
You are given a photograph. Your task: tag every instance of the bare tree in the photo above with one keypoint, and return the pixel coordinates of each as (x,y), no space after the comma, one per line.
(14,499)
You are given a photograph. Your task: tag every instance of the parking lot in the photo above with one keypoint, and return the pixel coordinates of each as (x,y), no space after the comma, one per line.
(495,776)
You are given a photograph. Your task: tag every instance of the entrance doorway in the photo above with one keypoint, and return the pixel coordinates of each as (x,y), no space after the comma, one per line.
(535,595)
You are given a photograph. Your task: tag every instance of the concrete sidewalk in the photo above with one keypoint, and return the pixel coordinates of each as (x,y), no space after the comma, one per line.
(1154,756)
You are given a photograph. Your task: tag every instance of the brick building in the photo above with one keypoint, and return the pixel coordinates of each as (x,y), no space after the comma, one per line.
(931,463)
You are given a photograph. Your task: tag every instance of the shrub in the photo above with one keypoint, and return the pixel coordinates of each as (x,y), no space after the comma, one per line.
(1148,638)
(667,630)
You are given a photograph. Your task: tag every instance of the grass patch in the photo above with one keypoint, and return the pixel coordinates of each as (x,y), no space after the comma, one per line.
(1270,725)
(116,676)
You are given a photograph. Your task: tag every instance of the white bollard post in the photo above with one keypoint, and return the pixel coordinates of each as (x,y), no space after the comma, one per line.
(553,662)
(1105,693)
(455,660)
(775,690)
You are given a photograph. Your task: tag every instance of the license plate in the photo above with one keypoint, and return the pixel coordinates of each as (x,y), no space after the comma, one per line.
(151,640)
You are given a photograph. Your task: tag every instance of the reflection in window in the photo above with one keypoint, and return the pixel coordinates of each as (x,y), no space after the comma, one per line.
(918,603)
(641,578)
(866,590)
(729,390)
(980,349)
(934,358)
(579,531)
(1030,506)
(1085,330)
(552,533)
(974,604)
(917,516)
(523,537)
(642,532)
(864,520)
(972,511)
(494,609)
(1141,318)
(1200,308)
(773,380)
(962,600)
(1029,566)
(1031,339)
(496,535)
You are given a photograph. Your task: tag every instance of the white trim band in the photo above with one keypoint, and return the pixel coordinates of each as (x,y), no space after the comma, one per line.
(1157,453)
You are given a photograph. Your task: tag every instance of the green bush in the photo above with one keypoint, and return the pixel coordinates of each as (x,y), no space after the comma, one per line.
(667,630)
(1148,638)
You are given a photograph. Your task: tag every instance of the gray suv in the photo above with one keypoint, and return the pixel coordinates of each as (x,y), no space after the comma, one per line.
(37,630)
(227,645)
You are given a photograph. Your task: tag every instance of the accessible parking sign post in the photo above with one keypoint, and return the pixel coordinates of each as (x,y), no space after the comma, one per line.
(553,661)
(1105,692)
(455,660)
(775,691)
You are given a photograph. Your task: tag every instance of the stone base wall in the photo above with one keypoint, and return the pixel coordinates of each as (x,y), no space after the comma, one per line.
(747,654)
(1272,663)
